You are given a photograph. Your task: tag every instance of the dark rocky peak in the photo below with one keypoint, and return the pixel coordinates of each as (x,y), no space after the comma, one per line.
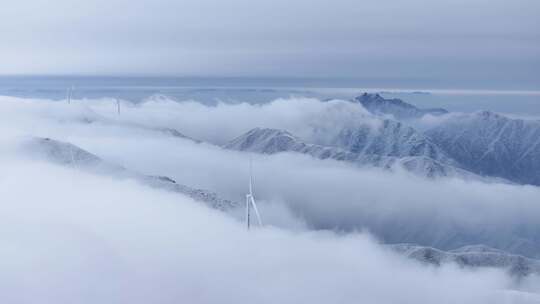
(378,105)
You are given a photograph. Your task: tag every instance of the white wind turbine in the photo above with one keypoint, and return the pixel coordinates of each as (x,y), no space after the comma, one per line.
(69,93)
(118,106)
(250,200)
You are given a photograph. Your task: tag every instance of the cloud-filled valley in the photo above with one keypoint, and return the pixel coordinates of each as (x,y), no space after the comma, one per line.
(326,219)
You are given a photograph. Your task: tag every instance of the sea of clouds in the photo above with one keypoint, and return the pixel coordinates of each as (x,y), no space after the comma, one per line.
(74,237)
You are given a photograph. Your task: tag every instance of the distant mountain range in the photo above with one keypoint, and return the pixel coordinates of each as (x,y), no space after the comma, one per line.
(477,145)
(484,143)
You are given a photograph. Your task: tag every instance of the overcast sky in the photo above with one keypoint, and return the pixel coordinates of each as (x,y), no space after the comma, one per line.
(474,40)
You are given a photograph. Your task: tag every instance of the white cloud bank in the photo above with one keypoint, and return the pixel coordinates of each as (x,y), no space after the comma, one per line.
(78,238)
(326,194)
(71,237)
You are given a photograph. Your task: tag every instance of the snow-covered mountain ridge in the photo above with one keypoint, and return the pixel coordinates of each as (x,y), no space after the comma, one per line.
(67,154)
(483,142)
(383,150)
(472,256)
(491,144)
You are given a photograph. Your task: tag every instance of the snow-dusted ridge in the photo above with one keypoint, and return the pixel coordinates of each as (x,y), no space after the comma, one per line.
(67,154)
(358,148)
(86,115)
(472,256)
(485,143)
(491,144)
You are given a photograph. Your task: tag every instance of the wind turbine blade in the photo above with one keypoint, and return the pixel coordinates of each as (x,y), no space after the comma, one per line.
(256,210)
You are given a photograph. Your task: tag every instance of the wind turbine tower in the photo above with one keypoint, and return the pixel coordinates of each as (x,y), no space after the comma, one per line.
(118,106)
(250,201)
(69,93)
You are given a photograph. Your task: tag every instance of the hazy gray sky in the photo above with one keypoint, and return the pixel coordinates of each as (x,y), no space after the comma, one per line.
(446,39)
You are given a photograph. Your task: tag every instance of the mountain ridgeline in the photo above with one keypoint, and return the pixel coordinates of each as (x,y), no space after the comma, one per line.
(493,145)
(472,256)
(67,154)
(476,145)
(408,152)
(397,108)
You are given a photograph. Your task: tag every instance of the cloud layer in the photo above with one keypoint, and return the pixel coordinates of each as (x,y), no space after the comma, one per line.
(79,236)
(87,239)
(323,194)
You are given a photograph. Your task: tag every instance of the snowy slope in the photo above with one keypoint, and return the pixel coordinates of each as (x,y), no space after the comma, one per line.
(472,256)
(70,155)
(400,147)
(392,138)
(491,144)
(484,143)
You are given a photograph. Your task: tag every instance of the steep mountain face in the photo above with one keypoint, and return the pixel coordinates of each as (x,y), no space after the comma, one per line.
(472,257)
(491,144)
(269,141)
(392,138)
(484,143)
(389,149)
(67,154)
(378,105)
